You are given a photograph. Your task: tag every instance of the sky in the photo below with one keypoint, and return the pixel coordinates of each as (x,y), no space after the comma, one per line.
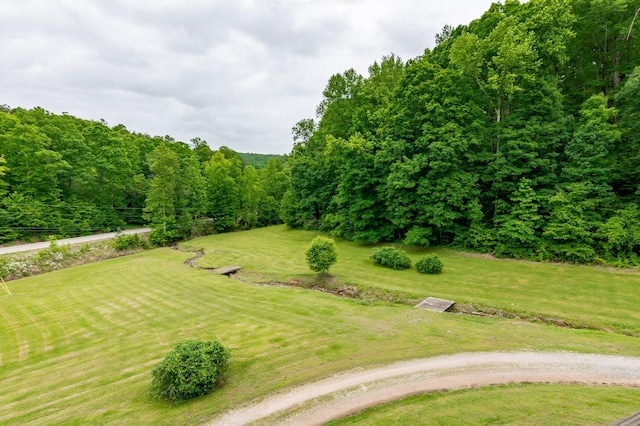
(238,73)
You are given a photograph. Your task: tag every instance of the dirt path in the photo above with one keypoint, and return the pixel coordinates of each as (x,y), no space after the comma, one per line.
(352,391)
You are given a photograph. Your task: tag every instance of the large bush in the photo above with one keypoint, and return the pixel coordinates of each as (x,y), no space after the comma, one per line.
(161,237)
(129,241)
(391,257)
(429,264)
(193,368)
(321,254)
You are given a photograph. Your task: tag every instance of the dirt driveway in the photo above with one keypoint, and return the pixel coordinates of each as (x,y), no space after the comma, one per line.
(352,391)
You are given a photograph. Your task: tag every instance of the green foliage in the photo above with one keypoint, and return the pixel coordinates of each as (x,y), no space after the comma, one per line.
(593,138)
(476,144)
(259,161)
(162,236)
(129,241)
(418,236)
(621,235)
(321,254)
(224,192)
(626,155)
(568,230)
(357,212)
(51,258)
(429,264)
(67,176)
(193,368)
(3,170)
(312,186)
(517,231)
(391,257)
(274,179)
(160,209)
(251,197)
(603,50)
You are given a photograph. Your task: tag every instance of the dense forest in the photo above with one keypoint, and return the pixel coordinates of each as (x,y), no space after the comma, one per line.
(65,176)
(517,135)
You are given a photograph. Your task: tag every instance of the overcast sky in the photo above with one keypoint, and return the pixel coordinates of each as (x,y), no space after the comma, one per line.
(238,73)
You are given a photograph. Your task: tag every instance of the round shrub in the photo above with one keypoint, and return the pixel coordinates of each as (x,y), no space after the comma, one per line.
(391,257)
(321,254)
(429,264)
(193,368)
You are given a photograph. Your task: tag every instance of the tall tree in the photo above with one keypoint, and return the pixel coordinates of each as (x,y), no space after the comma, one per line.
(604,51)
(340,99)
(430,188)
(625,160)
(191,200)
(3,170)
(274,179)
(357,210)
(581,204)
(202,150)
(517,233)
(113,169)
(160,210)
(223,192)
(251,197)
(621,236)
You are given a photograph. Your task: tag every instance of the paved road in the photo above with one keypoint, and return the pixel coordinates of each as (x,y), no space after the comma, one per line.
(350,392)
(77,240)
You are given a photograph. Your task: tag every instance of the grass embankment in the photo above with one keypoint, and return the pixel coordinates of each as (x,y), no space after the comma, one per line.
(77,345)
(25,264)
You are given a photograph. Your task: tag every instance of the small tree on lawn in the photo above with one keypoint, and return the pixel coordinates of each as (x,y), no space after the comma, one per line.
(193,368)
(321,254)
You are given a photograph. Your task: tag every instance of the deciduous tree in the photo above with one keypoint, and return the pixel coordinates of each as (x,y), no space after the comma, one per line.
(321,254)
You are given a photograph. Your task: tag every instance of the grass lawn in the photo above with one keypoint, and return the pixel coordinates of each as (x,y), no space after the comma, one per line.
(587,296)
(77,345)
(506,405)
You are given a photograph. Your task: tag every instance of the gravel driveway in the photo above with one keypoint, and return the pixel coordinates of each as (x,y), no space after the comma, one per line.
(352,391)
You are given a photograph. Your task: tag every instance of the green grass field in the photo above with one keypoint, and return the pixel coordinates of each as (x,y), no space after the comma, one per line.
(587,296)
(77,345)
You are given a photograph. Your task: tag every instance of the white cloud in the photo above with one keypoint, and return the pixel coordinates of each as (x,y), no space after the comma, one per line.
(235,73)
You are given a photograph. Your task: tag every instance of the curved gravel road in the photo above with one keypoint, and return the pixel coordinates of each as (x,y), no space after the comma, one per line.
(77,240)
(352,391)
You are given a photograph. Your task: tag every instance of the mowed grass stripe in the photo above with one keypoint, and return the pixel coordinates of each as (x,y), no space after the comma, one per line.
(118,325)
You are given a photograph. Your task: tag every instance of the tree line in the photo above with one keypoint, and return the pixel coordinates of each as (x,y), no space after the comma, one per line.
(517,135)
(65,176)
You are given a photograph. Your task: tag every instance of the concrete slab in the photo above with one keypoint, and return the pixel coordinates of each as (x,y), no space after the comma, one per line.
(435,304)
(227,270)
(634,420)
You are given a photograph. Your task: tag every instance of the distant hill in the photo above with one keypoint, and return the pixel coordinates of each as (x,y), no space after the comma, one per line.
(259,161)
